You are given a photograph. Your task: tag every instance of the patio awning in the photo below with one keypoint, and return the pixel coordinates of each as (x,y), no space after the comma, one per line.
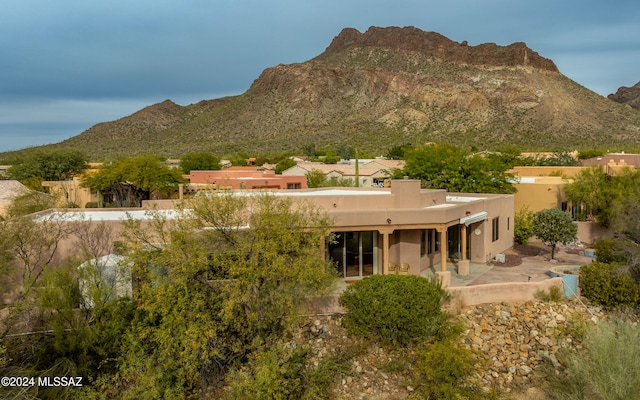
(470,219)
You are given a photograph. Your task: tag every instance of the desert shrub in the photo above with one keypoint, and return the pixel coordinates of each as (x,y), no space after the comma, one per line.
(444,370)
(611,252)
(285,373)
(608,285)
(523,225)
(274,374)
(606,367)
(394,309)
(91,204)
(553,295)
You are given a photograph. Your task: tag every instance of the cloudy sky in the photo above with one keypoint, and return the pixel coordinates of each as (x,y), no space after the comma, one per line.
(66,65)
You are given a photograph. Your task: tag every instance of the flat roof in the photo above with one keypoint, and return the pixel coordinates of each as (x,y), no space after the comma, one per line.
(107,215)
(463,199)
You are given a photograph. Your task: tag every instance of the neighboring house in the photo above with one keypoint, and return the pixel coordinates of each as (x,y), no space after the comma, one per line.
(370,174)
(9,190)
(614,162)
(402,228)
(3,169)
(70,193)
(540,188)
(244,178)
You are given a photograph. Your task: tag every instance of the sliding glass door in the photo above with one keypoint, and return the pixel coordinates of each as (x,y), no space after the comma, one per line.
(354,253)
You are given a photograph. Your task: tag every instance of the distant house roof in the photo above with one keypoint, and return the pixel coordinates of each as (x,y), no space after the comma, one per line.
(621,159)
(368,169)
(10,189)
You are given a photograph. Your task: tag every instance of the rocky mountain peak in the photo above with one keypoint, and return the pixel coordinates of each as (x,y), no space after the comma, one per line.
(628,95)
(437,46)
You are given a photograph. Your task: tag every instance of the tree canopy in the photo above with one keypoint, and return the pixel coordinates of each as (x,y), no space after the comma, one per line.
(134,179)
(48,165)
(554,226)
(612,200)
(442,166)
(223,281)
(199,162)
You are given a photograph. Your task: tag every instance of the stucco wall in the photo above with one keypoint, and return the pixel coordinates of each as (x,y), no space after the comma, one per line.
(591,232)
(513,292)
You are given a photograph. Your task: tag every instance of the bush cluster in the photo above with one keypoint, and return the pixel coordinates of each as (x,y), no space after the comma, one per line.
(394,309)
(608,285)
(523,225)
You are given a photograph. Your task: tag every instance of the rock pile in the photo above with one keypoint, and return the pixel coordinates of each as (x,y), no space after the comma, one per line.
(519,339)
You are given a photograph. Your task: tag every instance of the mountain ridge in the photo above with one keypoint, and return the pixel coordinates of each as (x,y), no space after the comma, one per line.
(373,90)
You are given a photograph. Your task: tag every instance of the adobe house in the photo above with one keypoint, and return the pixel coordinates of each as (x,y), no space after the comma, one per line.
(369,174)
(410,229)
(246,178)
(401,229)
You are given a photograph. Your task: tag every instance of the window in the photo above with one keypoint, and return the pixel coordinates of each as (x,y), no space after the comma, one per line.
(495,229)
(508,223)
(293,186)
(354,253)
(436,244)
(423,242)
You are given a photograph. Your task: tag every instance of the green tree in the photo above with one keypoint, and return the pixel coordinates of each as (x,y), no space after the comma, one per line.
(199,162)
(215,285)
(523,225)
(129,181)
(448,167)
(590,194)
(608,285)
(398,152)
(316,179)
(345,152)
(554,226)
(284,164)
(48,165)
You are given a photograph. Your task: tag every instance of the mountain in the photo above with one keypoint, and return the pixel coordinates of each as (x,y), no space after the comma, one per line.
(628,95)
(381,88)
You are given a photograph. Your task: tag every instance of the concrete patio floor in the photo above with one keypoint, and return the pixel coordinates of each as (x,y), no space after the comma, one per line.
(532,269)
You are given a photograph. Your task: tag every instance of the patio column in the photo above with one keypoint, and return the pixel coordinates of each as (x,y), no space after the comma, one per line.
(463,250)
(464,263)
(443,248)
(385,249)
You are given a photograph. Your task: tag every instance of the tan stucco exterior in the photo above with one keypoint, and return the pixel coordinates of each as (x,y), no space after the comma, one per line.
(69,192)
(396,217)
(540,193)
